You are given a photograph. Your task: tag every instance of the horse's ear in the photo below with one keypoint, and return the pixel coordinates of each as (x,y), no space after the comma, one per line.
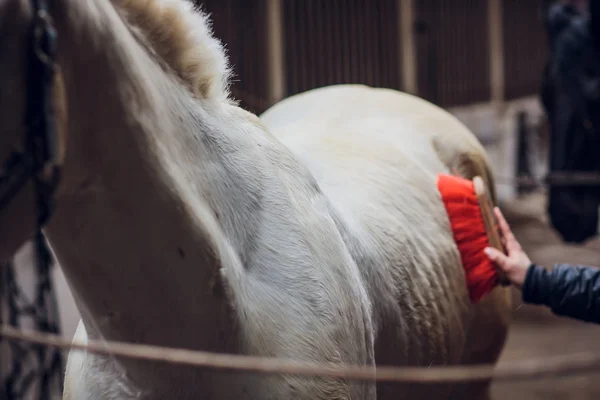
(594,9)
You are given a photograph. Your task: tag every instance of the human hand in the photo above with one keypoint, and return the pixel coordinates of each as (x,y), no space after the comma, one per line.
(514,265)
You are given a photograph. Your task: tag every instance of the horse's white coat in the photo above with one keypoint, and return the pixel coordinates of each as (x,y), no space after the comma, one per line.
(183,221)
(375,154)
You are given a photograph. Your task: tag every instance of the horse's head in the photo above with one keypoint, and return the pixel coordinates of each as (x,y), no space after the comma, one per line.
(20,106)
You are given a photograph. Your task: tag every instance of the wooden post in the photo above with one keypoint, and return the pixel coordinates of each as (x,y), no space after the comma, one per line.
(496,51)
(408,57)
(523,150)
(275,56)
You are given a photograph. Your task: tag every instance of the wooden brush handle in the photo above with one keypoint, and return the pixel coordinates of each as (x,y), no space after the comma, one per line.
(491,223)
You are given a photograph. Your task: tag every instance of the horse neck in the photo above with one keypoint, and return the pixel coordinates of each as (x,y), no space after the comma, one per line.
(140,248)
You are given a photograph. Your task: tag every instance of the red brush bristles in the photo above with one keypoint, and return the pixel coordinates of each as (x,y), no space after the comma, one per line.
(468,228)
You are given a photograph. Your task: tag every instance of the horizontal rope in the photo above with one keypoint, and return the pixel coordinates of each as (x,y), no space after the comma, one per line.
(556,366)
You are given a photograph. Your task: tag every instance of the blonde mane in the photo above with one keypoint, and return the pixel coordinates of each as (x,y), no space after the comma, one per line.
(181,35)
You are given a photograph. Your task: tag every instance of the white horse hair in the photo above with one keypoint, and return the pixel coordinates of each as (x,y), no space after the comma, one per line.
(314,233)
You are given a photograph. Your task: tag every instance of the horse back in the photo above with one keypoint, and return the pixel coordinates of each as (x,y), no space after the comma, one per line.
(376,154)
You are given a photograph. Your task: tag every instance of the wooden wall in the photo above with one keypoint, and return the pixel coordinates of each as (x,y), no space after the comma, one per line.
(326,42)
(452,45)
(341,41)
(240,24)
(525,46)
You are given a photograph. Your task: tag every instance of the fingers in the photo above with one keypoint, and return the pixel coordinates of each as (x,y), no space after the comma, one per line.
(511,241)
(502,222)
(497,257)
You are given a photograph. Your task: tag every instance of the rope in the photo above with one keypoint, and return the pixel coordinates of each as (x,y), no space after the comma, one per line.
(557,366)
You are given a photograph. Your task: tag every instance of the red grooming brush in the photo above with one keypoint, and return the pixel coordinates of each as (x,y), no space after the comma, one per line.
(474,227)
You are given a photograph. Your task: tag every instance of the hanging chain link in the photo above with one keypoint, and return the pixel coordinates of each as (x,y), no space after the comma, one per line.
(32,369)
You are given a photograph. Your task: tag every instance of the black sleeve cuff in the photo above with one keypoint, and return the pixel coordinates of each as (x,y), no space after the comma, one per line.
(537,286)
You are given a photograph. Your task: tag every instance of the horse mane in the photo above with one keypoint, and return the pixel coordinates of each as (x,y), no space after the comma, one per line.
(181,35)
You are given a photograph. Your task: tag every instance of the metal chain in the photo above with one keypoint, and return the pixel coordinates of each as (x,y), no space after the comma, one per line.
(32,368)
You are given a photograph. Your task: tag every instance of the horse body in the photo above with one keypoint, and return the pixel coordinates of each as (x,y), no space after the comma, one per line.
(369,264)
(284,285)
(376,154)
(184,221)
(379,173)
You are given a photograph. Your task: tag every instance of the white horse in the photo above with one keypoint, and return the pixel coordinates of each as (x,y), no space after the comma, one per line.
(182,220)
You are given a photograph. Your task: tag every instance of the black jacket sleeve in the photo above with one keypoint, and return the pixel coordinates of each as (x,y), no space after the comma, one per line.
(569,290)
